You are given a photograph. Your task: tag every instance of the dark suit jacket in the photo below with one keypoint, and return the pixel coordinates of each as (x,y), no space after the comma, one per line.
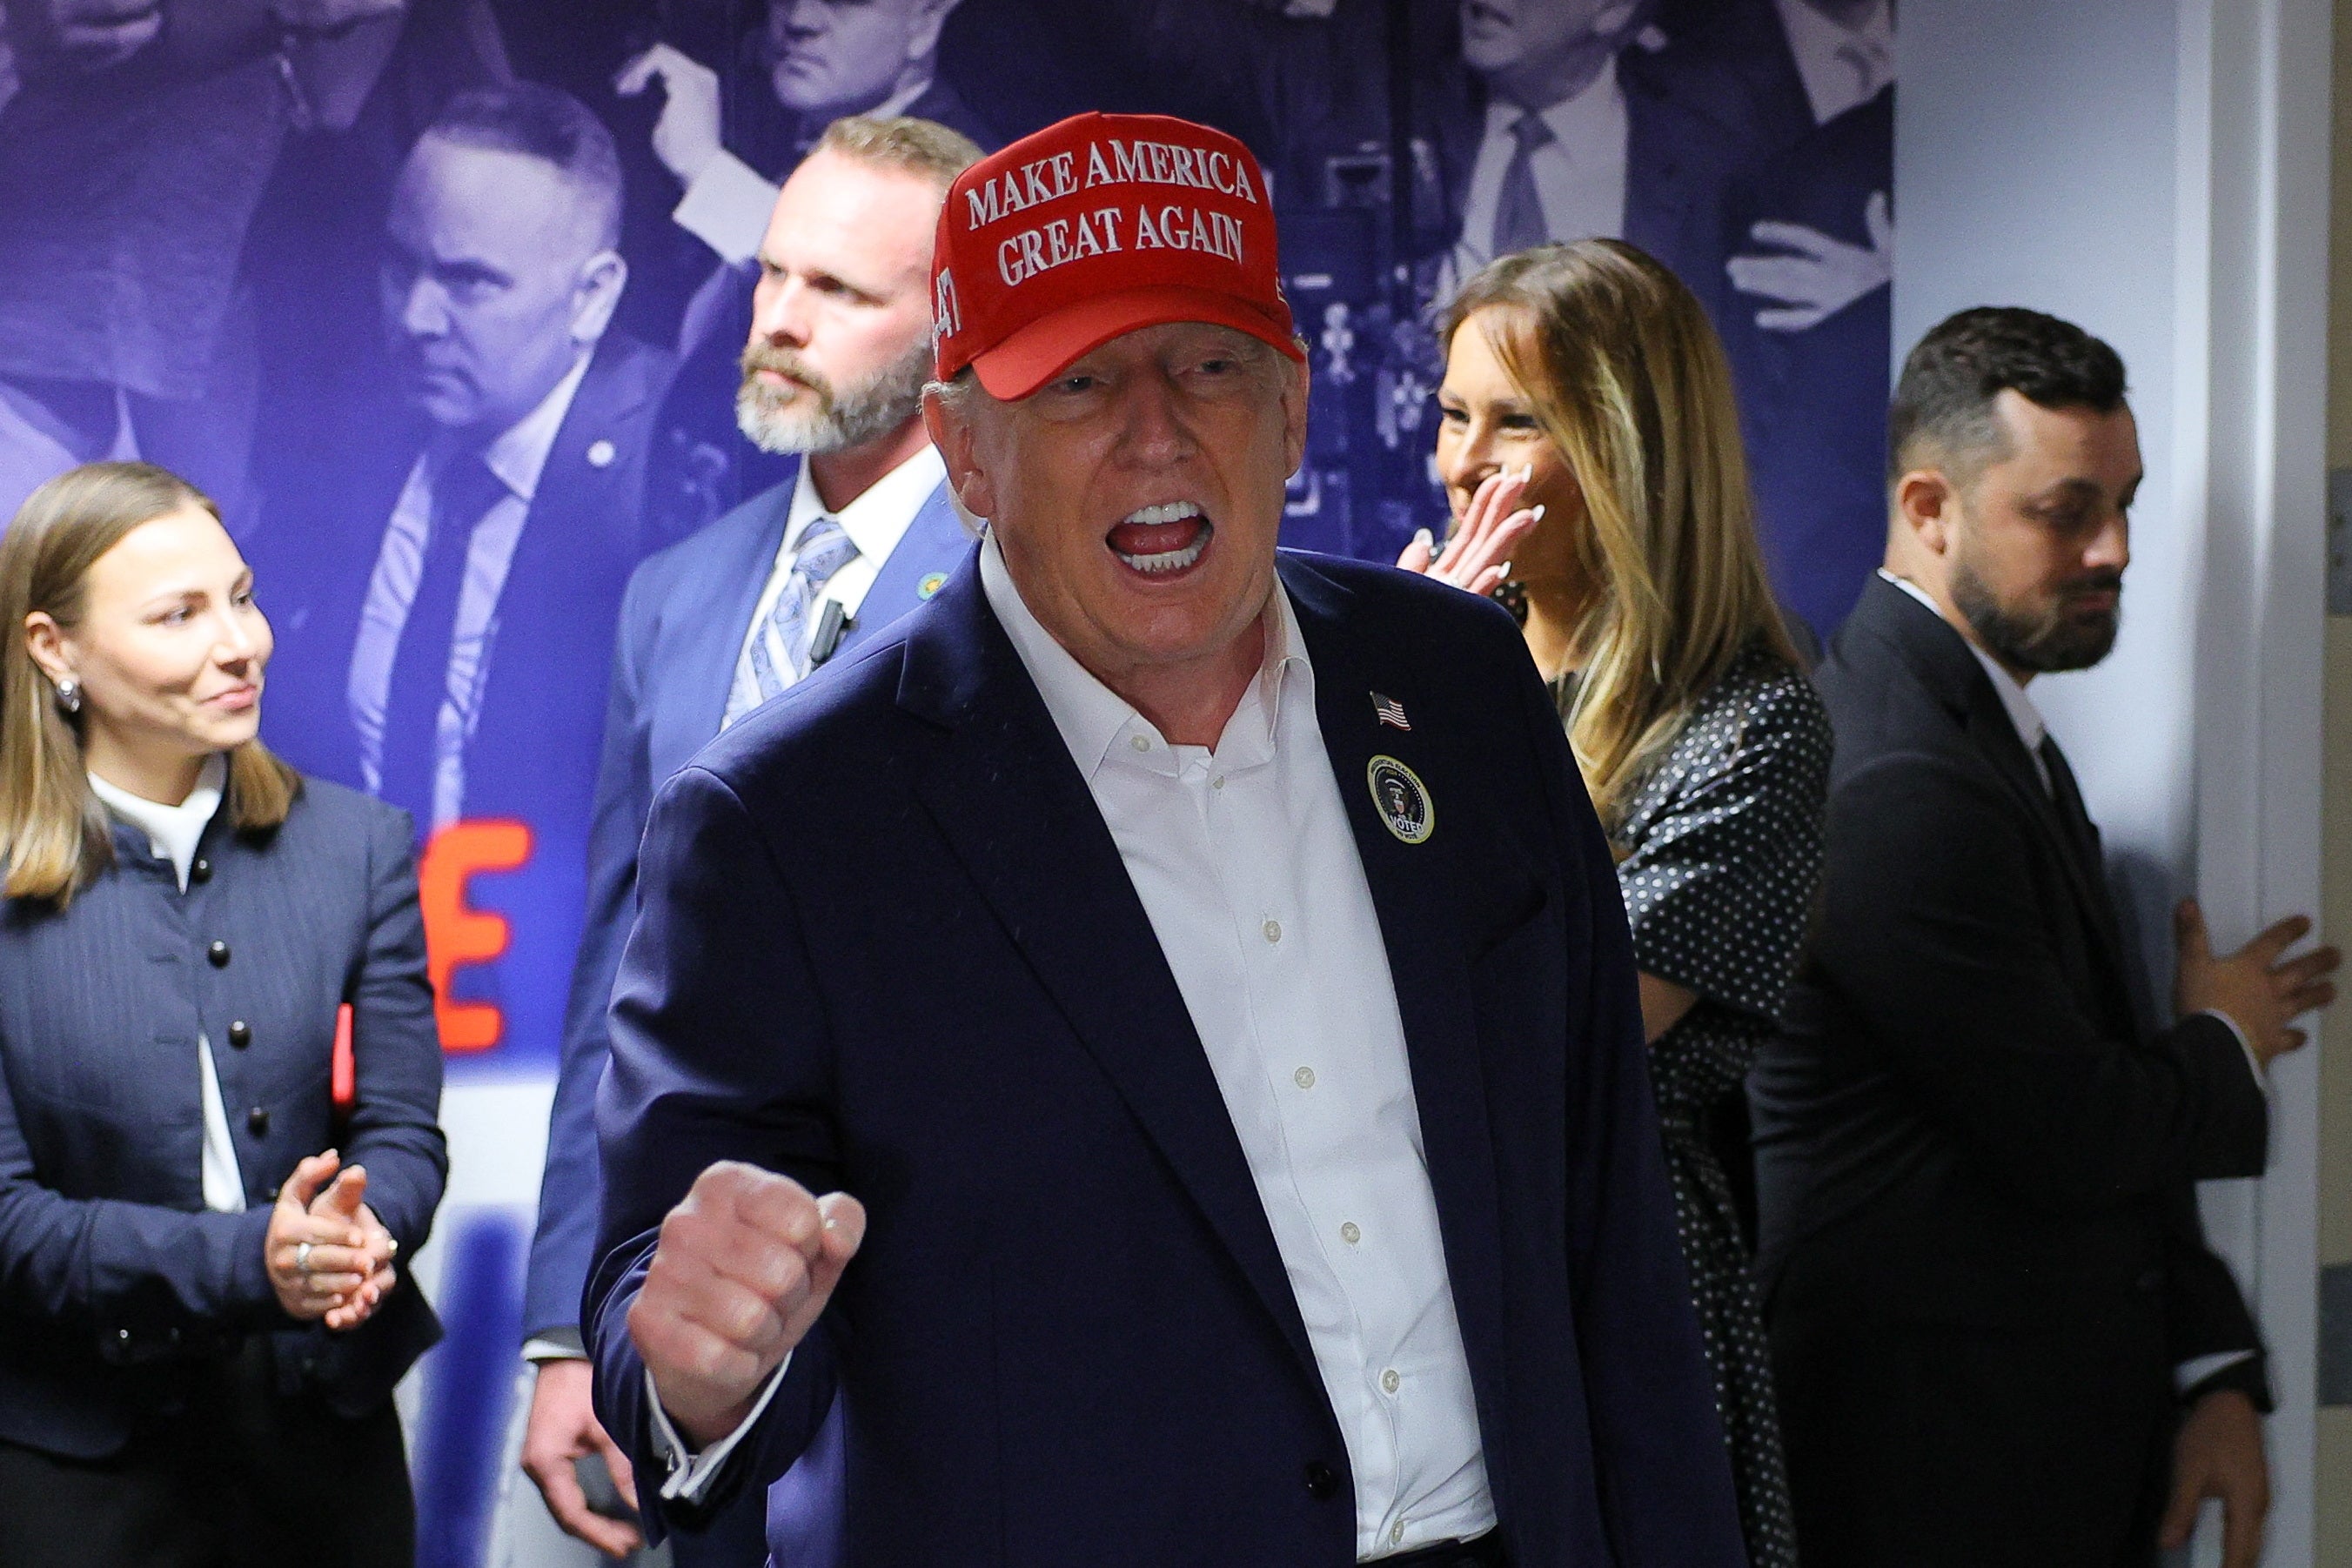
(682,626)
(1070,1337)
(1966,1125)
(532,754)
(111,1268)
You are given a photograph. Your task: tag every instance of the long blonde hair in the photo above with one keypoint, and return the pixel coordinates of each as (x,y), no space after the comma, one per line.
(54,834)
(1630,383)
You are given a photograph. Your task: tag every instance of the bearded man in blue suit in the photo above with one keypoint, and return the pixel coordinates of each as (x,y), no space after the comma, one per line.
(1195,979)
(717,624)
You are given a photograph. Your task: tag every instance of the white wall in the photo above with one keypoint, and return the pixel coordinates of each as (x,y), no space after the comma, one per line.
(2155,170)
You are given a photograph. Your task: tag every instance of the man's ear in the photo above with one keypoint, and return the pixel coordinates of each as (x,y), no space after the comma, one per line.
(596,293)
(958,449)
(1928,503)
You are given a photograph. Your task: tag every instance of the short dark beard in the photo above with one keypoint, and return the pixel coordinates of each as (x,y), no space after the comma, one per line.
(2046,641)
(840,420)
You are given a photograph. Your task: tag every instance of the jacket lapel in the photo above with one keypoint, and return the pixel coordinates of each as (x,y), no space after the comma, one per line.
(1415,894)
(1944,664)
(1011,805)
(933,546)
(700,666)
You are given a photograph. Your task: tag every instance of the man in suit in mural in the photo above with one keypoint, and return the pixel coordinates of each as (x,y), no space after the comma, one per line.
(1805,317)
(446,613)
(1588,119)
(819,61)
(862,532)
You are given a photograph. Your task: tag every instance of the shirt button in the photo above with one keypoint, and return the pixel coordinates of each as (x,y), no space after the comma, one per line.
(1140,742)
(218,953)
(1396,1532)
(1304,1078)
(1389,1381)
(1273,931)
(1350,1233)
(1217,783)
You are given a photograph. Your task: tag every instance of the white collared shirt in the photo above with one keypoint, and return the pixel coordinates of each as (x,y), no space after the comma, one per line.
(1580,173)
(1245,863)
(517,459)
(172,832)
(1842,67)
(875,521)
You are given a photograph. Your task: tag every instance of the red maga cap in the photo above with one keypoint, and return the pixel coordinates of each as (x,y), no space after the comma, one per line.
(1094,227)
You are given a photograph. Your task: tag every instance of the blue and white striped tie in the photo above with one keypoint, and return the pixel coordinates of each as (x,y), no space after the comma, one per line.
(778,653)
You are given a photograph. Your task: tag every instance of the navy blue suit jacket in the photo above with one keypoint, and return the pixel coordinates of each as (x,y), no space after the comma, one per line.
(110,1264)
(682,624)
(1069,1337)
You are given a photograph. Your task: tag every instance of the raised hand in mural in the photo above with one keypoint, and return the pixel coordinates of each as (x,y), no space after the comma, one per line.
(1812,276)
(686,136)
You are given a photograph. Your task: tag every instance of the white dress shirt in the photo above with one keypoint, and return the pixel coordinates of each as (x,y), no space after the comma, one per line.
(1246,866)
(1842,67)
(875,522)
(518,457)
(172,832)
(2033,730)
(1580,173)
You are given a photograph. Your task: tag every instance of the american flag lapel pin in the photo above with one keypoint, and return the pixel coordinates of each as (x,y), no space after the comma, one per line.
(1391,711)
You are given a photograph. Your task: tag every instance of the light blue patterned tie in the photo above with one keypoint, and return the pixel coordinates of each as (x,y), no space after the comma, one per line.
(779,655)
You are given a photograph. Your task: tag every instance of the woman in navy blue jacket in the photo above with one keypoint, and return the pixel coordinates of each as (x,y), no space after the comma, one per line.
(201,1314)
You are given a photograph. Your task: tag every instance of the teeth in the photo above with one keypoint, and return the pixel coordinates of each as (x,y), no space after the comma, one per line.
(1170,512)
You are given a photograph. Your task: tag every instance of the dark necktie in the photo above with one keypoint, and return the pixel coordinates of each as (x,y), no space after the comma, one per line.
(1519,213)
(2067,796)
(464,488)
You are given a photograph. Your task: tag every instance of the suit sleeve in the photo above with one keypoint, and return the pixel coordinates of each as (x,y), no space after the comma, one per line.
(718,1052)
(565,1243)
(1664,1474)
(395,1128)
(1934,935)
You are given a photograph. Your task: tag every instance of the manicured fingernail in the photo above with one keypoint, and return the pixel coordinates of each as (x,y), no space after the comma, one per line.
(1506,570)
(1424,538)
(1539,511)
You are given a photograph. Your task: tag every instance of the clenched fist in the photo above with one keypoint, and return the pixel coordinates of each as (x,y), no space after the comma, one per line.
(743,1269)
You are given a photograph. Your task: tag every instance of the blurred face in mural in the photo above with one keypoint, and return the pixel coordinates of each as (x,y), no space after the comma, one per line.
(831,58)
(841,323)
(1535,51)
(498,275)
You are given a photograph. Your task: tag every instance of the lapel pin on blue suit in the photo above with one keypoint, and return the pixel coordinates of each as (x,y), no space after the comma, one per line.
(931,584)
(1389,710)
(601,454)
(1401,799)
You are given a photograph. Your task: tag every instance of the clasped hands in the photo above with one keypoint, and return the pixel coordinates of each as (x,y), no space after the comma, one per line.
(742,1269)
(329,1259)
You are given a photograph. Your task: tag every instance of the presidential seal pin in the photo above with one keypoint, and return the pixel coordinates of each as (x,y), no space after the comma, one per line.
(930,585)
(1401,799)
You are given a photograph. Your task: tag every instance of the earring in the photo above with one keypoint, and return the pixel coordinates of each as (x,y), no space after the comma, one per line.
(69,694)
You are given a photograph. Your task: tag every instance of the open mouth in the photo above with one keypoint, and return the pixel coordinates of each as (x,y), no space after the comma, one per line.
(1161,541)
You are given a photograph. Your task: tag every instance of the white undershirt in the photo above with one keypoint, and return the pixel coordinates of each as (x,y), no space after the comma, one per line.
(172,832)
